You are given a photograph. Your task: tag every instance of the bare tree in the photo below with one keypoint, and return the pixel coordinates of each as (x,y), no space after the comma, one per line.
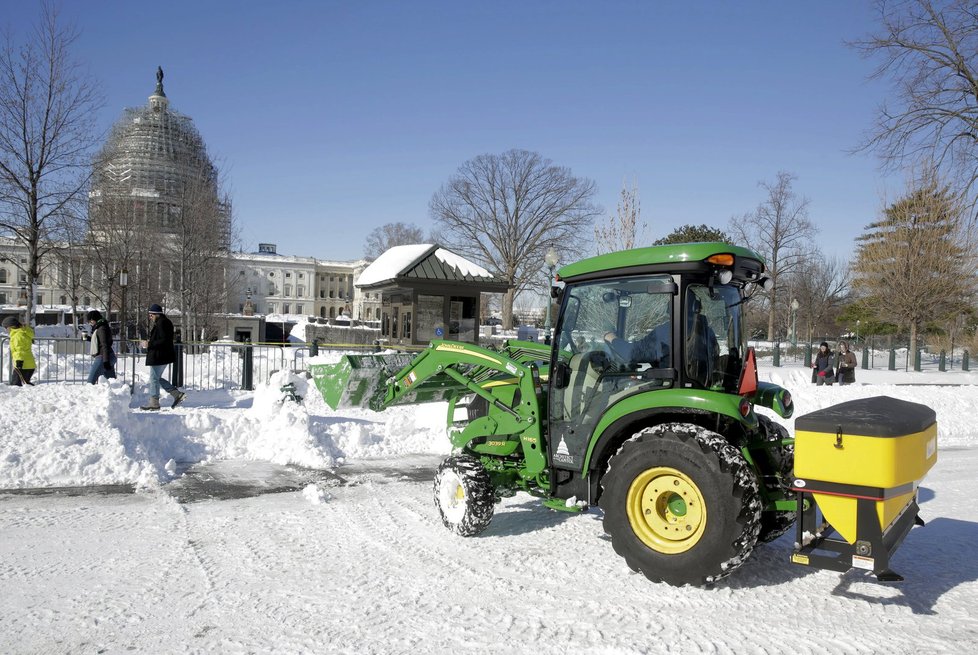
(69,256)
(918,262)
(930,50)
(116,233)
(196,250)
(387,236)
(779,230)
(621,231)
(820,285)
(693,234)
(47,111)
(504,211)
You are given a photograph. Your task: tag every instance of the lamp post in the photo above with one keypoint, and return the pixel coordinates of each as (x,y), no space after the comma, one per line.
(857,331)
(794,325)
(123,332)
(550,259)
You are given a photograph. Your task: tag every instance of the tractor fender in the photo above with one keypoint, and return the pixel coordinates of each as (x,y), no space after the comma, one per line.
(709,409)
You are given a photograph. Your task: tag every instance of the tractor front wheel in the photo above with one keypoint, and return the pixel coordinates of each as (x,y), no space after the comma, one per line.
(464,495)
(681,505)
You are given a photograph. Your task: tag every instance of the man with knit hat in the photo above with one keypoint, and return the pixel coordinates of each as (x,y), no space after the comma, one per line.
(159,354)
(21,356)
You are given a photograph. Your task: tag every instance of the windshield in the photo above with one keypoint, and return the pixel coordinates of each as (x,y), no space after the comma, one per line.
(714,336)
(634,315)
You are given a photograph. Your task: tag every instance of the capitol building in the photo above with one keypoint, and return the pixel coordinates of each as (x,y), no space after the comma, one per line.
(159,230)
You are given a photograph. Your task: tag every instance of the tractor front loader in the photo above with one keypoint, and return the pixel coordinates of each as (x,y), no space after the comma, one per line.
(645,405)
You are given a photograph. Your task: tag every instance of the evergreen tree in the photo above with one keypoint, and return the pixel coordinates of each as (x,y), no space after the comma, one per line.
(916,264)
(693,234)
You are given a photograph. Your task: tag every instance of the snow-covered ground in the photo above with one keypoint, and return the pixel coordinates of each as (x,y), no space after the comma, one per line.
(360,563)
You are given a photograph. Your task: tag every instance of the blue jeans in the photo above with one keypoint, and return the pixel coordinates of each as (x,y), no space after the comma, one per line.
(98,370)
(156,380)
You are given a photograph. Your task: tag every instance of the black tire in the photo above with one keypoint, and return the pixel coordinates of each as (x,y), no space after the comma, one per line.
(464,495)
(675,464)
(782,466)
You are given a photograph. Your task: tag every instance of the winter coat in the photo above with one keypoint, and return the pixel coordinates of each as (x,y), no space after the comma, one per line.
(21,340)
(823,362)
(846,366)
(101,341)
(159,345)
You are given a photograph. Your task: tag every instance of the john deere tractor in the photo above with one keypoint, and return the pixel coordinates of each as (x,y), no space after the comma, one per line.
(644,404)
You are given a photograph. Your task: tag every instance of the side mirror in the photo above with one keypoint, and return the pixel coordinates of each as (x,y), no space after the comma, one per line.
(560,376)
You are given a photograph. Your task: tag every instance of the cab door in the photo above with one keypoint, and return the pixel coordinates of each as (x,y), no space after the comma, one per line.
(613,338)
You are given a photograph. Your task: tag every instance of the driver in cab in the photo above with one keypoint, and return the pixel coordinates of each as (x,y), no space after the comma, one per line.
(652,349)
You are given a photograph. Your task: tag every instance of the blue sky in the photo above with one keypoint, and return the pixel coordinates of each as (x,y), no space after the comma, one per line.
(331,119)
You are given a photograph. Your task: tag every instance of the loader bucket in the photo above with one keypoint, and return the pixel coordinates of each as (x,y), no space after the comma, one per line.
(362,381)
(356,379)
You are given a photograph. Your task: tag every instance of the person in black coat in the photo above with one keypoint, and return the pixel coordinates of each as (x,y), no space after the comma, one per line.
(159,354)
(822,373)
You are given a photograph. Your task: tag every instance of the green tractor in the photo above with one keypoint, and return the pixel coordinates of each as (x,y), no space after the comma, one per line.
(644,404)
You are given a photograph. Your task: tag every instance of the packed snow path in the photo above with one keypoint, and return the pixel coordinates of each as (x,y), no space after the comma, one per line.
(366,567)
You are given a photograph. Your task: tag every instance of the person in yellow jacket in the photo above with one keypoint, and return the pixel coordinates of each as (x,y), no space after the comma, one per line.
(21,340)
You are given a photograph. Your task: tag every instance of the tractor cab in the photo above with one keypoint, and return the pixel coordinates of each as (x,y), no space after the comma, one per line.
(624,330)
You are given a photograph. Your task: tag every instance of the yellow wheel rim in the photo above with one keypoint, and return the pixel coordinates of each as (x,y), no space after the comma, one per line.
(666,510)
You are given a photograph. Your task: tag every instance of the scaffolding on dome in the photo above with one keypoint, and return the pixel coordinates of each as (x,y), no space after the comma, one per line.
(155,207)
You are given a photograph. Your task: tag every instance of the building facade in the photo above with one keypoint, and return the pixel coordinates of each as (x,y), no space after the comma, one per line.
(265,282)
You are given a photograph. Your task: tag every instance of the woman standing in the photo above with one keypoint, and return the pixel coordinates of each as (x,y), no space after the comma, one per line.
(21,340)
(845,364)
(823,365)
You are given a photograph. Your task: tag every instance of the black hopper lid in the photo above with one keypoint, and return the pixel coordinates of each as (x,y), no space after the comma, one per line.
(880,416)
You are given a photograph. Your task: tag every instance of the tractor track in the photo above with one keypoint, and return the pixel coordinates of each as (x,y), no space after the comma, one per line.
(372,570)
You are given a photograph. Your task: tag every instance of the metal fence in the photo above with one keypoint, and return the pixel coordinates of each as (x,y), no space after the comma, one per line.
(202,366)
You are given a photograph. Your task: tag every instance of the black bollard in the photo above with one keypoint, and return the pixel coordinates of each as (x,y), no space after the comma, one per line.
(916,360)
(942,364)
(865,357)
(177,370)
(892,365)
(247,372)
(808,355)
(777,354)
(314,348)
(964,361)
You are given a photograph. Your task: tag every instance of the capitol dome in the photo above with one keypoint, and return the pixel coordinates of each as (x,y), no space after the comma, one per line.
(153,160)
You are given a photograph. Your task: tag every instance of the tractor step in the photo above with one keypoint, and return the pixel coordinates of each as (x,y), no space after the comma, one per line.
(561,505)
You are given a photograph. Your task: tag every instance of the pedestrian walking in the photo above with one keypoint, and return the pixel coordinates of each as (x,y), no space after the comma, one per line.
(103,357)
(159,354)
(21,355)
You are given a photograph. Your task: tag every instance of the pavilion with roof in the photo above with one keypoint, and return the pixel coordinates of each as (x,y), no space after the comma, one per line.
(428,292)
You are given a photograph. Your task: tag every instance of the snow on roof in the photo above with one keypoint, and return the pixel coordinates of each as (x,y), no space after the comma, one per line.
(399,259)
(462,265)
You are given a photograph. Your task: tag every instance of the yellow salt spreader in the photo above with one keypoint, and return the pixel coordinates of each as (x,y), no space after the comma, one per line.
(858,466)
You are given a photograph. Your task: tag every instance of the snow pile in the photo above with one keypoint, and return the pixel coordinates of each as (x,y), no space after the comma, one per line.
(277,428)
(315,495)
(60,435)
(57,435)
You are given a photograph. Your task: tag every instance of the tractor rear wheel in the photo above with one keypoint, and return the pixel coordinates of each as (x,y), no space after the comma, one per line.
(464,495)
(681,505)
